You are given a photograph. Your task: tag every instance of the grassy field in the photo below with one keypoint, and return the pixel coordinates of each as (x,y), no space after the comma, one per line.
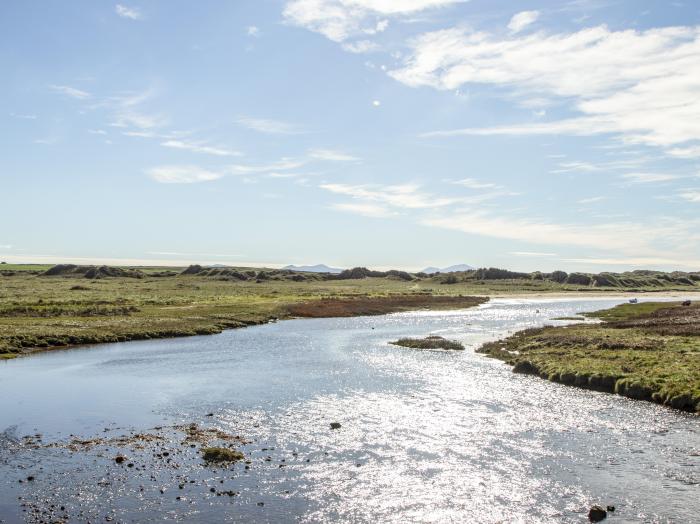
(43,312)
(647,351)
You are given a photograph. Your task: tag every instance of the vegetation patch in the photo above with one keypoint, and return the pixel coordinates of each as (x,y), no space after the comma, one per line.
(219,455)
(380,305)
(647,351)
(430,342)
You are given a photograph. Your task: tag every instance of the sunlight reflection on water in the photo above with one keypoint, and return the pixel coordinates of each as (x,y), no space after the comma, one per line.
(427,436)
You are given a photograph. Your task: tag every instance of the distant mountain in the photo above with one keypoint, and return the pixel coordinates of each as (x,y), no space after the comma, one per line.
(450,269)
(318,268)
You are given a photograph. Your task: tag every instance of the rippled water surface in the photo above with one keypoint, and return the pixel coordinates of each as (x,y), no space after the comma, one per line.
(427,436)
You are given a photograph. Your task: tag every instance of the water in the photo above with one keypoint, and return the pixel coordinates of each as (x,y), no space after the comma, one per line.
(427,436)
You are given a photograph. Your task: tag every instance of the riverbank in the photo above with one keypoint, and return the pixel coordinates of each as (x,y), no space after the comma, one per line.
(647,351)
(39,313)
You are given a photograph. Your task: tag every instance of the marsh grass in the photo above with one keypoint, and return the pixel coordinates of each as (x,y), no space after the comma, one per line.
(430,342)
(645,351)
(45,312)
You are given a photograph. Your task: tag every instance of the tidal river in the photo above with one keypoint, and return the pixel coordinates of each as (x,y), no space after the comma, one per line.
(425,436)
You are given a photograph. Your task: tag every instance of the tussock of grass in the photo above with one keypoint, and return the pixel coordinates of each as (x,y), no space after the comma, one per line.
(648,353)
(221,455)
(431,342)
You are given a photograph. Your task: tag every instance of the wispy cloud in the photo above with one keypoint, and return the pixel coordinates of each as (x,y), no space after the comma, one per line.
(272,167)
(180,254)
(649,178)
(691,195)
(132,13)
(332,155)
(630,238)
(473,183)
(269,126)
(407,196)
(72,92)
(592,200)
(182,174)
(340,20)
(364,209)
(23,116)
(522,20)
(361,46)
(638,85)
(197,147)
(535,254)
(252,30)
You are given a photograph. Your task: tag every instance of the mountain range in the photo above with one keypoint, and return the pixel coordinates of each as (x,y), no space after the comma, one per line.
(449,269)
(318,268)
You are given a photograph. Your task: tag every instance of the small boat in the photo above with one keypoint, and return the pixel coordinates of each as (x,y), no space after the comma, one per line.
(633,300)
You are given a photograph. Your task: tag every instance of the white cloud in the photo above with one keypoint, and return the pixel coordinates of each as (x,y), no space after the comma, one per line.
(531,254)
(180,254)
(364,209)
(407,196)
(649,178)
(281,165)
(97,131)
(361,46)
(685,152)
(522,19)
(23,117)
(48,141)
(128,12)
(252,30)
(199,148)
(70,91)
(691,195)
(633,239)
(643,86)
(5,246)
(473,183)
(185,174)
(592,200)
(376,103)
(332,155)
(136,119)
(339,20)
(269,126)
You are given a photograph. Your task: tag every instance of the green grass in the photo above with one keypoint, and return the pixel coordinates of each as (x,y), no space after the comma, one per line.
(645,351)
(43,312)
(431,342)
(39,312)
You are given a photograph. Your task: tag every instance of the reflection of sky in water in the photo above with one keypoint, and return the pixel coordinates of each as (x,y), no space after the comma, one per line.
(427,436)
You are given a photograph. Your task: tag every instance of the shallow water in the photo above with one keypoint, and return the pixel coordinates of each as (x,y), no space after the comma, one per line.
(427,436)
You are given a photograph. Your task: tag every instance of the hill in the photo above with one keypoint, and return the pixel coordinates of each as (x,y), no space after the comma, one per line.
(318,268)
(450,269)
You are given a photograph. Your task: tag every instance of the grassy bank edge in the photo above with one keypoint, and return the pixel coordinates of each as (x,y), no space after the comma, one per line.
(508,351)
(314,308)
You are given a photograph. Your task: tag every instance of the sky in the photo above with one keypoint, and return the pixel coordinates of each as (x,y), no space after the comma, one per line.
(529,135)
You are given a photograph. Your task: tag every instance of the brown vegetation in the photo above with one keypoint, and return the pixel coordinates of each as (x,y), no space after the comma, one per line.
(379,305)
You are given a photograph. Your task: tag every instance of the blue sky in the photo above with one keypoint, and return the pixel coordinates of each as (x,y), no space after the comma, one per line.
(387,133)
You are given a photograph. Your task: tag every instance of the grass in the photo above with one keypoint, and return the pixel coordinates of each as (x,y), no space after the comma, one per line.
(46,312)
(647,351)
(431,342)
(219,455)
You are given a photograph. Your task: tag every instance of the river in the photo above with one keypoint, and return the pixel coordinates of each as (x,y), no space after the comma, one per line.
(426,436)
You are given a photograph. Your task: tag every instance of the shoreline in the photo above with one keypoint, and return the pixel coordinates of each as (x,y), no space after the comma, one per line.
(217,328)
(337,307)
(646,351)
